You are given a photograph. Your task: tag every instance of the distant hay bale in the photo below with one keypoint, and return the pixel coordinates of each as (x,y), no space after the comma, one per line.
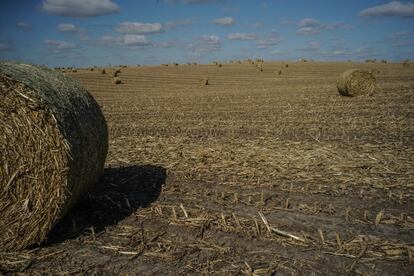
(220,65)
(74,71)
(91,69)
(204,82)
(280,72)
(406,64)
(117,80)
(53,144)
(286,65)
(116,72)
(356,82)
(103,71)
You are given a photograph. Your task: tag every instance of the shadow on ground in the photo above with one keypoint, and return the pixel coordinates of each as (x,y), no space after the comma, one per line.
(119,193)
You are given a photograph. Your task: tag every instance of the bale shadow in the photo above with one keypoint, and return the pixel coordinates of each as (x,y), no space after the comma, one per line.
(119,193)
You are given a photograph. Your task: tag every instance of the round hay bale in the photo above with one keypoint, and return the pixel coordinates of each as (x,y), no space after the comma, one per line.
(103,71)
(53,144)
(116,72)
(356,82)
(204,82)
(116,80)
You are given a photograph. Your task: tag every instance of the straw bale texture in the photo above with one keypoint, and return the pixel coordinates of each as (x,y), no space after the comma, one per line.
(356,82)
(53,144)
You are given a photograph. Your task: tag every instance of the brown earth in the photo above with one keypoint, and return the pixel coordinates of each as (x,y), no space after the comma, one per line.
(256,173)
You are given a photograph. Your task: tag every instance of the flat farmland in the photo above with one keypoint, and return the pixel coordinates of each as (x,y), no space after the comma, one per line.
(257,173)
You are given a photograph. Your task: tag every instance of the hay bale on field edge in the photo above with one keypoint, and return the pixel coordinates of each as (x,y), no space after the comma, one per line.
(356,82)
(54,144)
(103,71)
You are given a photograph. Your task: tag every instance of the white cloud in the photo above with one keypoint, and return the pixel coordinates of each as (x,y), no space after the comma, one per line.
(309,23)
(308,31)
(125,40)
(253,26)
(265,43)
(210,39)
(58,46)
(178,23)
(312,26)
(135,39)
(169,44)
(205,44)
(23,25)
(241,36)
(225,21)
(5,47)
(69,28)
(394,8)
(80,8)
(139,28)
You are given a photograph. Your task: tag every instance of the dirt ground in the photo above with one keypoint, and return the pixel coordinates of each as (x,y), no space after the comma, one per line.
(257,173)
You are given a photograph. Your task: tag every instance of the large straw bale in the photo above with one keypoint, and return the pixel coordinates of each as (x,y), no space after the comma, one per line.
(355,82)
(53,144)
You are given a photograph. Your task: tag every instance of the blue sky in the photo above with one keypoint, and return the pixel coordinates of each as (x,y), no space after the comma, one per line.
(102,32)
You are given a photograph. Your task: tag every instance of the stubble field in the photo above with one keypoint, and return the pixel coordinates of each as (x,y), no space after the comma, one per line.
(256,173)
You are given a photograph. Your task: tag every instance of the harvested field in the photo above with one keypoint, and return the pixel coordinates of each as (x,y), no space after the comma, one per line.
(250,174)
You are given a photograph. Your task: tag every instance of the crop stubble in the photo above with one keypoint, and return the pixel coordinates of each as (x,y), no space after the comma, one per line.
(335,172)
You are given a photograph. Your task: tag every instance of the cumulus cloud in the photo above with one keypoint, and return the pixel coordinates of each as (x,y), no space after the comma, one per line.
(23,25)
(309,23)
(59,46)
(80,8)
(135,39)
(178,23)
(210,39)
(312,26)
(265,43)
(126,40)
(140,28)
(5,47)
(67,28)
(394,8)
(308,31)
(205,44)
(225,21)
(241,36)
